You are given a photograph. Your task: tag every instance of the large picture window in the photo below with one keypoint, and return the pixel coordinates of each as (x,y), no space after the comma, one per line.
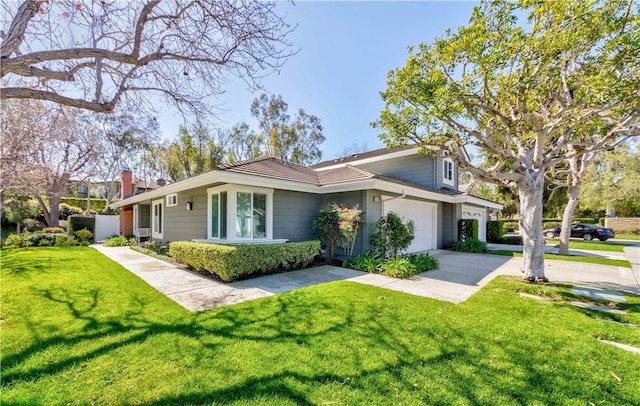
(240,213)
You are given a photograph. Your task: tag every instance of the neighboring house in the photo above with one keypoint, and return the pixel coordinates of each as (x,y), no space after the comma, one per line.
(268,200)
(77,188)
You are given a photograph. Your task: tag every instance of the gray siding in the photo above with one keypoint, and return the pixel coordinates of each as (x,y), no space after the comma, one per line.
(181,224)
(449,225)
(293,214)
(417,169)
(439,173)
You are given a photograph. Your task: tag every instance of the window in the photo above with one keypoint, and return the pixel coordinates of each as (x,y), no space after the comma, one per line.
(172,200)
(240,213)
(447,171)
(157,219)
(218,215)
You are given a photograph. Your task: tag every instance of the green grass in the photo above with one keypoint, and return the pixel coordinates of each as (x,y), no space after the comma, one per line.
(79,329)
(591,245)
(634,237)
(574,258)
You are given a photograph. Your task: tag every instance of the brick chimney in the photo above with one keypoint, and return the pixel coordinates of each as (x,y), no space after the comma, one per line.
(126,183)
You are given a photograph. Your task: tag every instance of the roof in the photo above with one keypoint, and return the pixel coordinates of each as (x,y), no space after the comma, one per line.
(376,153)
(272,172)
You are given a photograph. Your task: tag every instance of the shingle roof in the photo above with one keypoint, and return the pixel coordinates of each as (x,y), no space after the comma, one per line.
(359,156)
(277,169)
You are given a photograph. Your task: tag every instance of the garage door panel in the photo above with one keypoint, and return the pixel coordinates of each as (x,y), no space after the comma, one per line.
(423,214)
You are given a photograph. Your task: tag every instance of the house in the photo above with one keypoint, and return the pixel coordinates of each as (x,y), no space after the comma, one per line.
(268,200)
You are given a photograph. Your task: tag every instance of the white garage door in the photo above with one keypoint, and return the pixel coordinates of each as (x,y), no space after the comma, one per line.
(480,214)
(423,215)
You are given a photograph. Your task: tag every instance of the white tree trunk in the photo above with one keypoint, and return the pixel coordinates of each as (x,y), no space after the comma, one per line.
(530,191)
(567,217)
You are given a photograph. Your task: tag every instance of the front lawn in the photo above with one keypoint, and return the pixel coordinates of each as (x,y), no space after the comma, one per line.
(574,258)
(591,245)
(79,329)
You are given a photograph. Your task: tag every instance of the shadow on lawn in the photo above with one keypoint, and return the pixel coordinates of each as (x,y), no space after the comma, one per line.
(426,359)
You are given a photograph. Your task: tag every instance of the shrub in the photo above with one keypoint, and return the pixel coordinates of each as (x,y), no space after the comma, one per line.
(390,236)
(423,262)
(367,262)
(551,224)
(338,225)
(231,262)
(601,221)
(495,230)
(84,235)
(119,241)
(467,229)
(66,241)
(512,240)
(588,220)
(32,225)
(53,230)
(66,211)
(472,245)
(512,225)
(36,239)
(81,203)
(80,222)
(402,266)
(15,240)
(399,267)
(155,248)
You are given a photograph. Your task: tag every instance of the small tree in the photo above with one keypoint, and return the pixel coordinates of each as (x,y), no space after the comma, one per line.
(390,236)
(338,225)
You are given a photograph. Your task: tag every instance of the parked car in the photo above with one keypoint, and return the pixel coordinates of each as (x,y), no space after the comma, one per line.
(582,230)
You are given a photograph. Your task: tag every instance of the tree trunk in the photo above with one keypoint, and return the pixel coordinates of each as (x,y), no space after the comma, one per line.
(530,191)
(567,217)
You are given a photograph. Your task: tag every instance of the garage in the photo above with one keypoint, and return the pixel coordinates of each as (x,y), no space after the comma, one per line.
(477,213)
(424,217)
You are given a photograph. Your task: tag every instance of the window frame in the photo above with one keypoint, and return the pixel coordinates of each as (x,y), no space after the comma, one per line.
(447,166)
(157,233)
(172,200)
(232,211)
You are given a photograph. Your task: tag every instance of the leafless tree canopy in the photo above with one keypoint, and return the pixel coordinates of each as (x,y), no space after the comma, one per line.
(98,54)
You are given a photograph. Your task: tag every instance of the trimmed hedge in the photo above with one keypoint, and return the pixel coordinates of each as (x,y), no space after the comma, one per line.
(467,229)
(231,262)
(495,230)
(81,202)
(80,222)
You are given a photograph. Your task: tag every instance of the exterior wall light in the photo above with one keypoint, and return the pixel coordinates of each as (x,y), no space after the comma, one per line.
(189,206)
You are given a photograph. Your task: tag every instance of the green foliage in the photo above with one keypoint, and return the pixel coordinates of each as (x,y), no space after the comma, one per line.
(398,267)
(495,230)
(401,266)
(18,207)
(467,229)
(84,235)
(153,246)
(76,203)
(15,240)
(53,230)
(231,262)
(119,241)
(601,221)
(511,225)
(367,262)
(40,239)
(79,222)
(511,240)
(472,245)
(65,241)
(551,224)
(32,225)
(389,236)
(66,211)
(338,225)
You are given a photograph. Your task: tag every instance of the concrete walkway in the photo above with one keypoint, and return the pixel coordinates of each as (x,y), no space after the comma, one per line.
(458,278)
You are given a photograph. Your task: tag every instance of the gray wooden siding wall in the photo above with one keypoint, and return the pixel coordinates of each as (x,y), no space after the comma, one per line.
(449,225)
(181,224)
(415,168)
(293,214)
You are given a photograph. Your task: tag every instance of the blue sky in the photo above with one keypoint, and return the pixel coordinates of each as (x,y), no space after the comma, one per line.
(346,51)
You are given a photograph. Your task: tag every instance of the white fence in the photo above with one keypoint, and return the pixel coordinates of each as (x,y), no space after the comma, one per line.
(106,226)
